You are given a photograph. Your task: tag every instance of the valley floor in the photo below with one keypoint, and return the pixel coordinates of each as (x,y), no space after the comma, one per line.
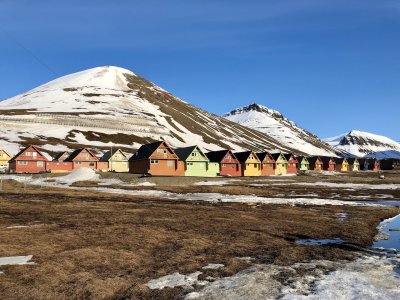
(115,236)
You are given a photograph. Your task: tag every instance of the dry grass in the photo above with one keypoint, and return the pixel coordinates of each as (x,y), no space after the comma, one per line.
(99,246)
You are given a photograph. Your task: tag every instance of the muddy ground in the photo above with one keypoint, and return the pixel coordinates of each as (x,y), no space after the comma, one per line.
(89,245)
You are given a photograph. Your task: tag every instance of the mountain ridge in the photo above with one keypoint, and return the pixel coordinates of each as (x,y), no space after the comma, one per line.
(273,123)
(364,144)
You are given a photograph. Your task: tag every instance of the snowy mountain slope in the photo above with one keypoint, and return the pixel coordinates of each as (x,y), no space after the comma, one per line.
(365,144)
(107,106)
(272,123)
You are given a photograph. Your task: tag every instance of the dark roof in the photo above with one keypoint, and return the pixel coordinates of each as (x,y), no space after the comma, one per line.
(275,156)
(183,153)
(288,156)
(326,159)
(352,160)
(313,159)
(59,155)
(262,155)
(364,160)
(301,158)
(339,160)
(145,151)
(216,156)
(242,156)
(74,154)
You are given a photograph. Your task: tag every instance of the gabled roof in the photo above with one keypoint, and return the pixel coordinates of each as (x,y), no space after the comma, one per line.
(184,153)
(59,155)
(107,156)
(352,160)
(300,159)
(313,159)
(4,151)
(340,160)
(327,159)
(288,156)
(74,154)
(262,155)
(146,150)
(277,155)
(218,156)
(243,156)
(26,148)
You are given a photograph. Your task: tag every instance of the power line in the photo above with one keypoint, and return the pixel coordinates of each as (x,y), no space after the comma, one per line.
(33,55)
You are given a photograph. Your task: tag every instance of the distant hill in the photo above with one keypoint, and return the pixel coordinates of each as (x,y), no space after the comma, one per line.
(365,144)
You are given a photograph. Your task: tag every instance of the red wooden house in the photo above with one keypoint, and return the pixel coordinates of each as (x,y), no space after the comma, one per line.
(228,163)
(85,158)
(316,163)
(28,160)
(329,163)
(157,159)
(292,164)
(267,163)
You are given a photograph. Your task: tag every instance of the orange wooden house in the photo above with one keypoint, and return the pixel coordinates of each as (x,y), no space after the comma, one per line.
(28,160)
(267,163)
(157,159)
(316,163)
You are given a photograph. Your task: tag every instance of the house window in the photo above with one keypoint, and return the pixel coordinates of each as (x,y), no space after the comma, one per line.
(28,153)
(154,161)
(190,164)
(34,154)
(39,164)
(194,154)
(91,164)
(23,162)
(223,165)
(255,165)
(233,166)
(170,163)
(78,162)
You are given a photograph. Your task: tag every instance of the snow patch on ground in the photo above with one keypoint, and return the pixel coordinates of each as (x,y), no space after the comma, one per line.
(213,267)
(82,174)
(16,260)
(175,280)
(215,182)
(146,183)
(366,278)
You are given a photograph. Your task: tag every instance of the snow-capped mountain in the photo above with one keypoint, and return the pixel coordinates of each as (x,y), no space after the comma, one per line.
(365,144)
(274,124)
(107,106)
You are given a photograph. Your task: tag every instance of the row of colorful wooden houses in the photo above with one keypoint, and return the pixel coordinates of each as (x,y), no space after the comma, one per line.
(159,159)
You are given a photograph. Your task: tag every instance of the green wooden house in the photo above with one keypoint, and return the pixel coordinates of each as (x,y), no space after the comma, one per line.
(303,163)
(196,162)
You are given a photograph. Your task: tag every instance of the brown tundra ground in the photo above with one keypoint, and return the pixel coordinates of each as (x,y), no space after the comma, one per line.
(92,244)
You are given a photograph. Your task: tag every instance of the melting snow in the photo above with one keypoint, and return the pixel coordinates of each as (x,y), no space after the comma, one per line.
(16,260)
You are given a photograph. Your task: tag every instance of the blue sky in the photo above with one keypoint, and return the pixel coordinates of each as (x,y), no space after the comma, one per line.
(331,66)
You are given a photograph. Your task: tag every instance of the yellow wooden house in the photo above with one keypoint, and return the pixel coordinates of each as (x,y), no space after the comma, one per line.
(281,164)
(4,159)
(250,164)
(117,161)
(342,165)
